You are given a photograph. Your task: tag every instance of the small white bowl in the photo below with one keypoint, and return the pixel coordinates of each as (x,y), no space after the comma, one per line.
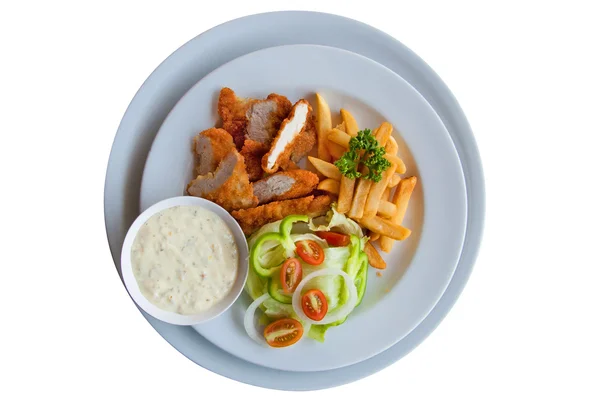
(173,318)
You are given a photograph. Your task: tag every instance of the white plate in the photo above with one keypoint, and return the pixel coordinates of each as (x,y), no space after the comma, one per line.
(202,54)
(418,270)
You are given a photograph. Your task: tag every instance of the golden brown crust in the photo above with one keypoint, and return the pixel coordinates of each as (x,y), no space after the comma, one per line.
(252,219)
(304,183)
(305,142)
(234,193)
(300,145)
(290,166)
(221,145)
(283,109)
(232,110)
(253,153)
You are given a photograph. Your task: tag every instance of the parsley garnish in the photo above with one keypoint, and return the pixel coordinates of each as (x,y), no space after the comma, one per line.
(372,157)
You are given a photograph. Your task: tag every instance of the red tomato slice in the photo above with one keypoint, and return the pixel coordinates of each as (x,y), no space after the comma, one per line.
(310,252)
(314,304)
(335,239)
(283,332)
(291,274)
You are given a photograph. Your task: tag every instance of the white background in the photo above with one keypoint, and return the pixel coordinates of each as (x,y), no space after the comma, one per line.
(527,77)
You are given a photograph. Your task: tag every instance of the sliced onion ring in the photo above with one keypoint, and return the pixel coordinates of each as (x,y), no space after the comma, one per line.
(338,314)
(249,321)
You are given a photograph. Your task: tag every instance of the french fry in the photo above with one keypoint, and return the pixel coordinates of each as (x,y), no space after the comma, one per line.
(335,150)
(351,125)
(339,137)
(383,133)
(375,259)
(386,192)
(391,147)
(332,186)
(376,193)
(401,198)
(400,166)
(345,196)
(323,127)
(386,209)
(325,168)
(385,227)
(374,236)
(360,198)
(394,181)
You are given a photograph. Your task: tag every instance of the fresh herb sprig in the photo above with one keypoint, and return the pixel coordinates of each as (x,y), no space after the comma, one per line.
(372,157)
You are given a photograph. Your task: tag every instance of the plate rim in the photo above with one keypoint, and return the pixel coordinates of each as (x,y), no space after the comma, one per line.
(165,136)
(438,95)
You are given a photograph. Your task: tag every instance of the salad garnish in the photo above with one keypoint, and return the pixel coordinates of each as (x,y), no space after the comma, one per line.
(309,273)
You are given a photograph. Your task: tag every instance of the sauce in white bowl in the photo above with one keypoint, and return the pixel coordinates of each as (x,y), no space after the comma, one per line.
(185,260)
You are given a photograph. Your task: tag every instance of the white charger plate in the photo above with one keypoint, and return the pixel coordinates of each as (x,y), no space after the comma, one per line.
(419,269)
(165,86)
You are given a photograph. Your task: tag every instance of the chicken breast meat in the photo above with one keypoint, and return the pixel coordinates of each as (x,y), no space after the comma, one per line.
(296,137)
(252,119)
(285,185)
(228,185)
(252,219)
(210,147)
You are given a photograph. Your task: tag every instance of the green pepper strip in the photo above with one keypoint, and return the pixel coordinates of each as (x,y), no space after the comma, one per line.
(283,237)
(285,230)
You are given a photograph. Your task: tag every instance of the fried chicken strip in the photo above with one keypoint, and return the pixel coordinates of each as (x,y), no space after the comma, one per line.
(253,153)
(285,185)
(252,219)
(293,140)
(228,186)
(304,143)
(210,147)
(254,119)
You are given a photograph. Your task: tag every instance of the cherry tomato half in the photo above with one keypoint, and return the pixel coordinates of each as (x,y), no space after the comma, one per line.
(310,252)
(291,274)
(334,239)
(314,304)
(283,332)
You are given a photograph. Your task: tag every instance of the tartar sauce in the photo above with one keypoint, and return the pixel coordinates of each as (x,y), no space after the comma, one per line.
(185,259)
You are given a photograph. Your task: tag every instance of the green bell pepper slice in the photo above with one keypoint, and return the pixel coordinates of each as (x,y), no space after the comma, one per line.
(274,287)
(283,237)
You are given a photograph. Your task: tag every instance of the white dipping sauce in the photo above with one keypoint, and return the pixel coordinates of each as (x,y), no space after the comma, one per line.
(185,259)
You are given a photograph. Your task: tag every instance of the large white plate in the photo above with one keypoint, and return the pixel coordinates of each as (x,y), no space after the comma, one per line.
(202,54)
(418,270)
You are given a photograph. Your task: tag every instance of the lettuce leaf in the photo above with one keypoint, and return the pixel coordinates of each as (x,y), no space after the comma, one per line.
(255,285)
(351,266)
(331,286)
(338,221)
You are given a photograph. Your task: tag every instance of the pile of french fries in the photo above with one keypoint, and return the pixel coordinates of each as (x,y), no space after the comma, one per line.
(378,207)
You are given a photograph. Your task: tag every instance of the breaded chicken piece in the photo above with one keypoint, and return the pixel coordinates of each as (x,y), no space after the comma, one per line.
(293,141)
(232,110)
(228,186)
(252,219)
(265,117)
(285,185)
(304,144)
(253,153)
(210,147)
(254,119)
